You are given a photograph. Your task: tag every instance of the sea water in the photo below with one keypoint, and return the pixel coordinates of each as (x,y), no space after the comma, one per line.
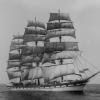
(91,92)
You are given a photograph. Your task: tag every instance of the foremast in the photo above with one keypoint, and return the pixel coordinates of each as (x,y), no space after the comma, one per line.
(34,38)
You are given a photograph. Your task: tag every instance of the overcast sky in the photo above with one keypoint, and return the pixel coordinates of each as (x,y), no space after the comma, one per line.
(84,13)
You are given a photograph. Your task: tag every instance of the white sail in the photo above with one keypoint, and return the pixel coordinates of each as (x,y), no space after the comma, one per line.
(58,71)
(40,43)
(35,73)
(30,44)
(15,80)
(62,39)
(13,73)
(59,16)
(15,54)
(65,55)
(13,69)
(27,59)
(54,39)
(48,64)
(27,64)
(67,39)
(34,64)
(17,42)
(72,77)
(61,32)
(33,44)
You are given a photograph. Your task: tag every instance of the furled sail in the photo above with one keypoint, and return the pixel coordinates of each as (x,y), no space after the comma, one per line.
(60,46)
(56,25)
(35,73)
(58,71)
(61,32)
(36,24)
(59,16)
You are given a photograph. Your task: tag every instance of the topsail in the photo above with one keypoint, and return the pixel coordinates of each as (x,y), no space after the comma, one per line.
(56,25)
(59,16)
(36,24)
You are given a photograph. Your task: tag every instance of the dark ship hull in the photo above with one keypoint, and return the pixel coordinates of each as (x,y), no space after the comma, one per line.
(57,88)
(64,87)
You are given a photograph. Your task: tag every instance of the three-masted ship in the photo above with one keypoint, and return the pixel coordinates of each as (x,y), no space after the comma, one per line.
(48,58)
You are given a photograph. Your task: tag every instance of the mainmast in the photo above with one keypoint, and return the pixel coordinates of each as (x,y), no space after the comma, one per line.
(61,60)
(60,26)
(59,36)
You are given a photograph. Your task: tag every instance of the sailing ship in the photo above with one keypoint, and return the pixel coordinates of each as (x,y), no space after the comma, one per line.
(48,58)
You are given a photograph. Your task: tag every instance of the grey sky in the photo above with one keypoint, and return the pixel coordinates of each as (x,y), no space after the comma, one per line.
(84,13)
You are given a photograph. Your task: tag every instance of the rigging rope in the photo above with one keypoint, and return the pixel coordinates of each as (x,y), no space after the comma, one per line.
(78,60)
(75,65)
(89,71)
(88,62)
